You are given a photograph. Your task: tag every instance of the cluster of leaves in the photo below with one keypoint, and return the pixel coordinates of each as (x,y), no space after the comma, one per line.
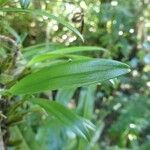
(55,97)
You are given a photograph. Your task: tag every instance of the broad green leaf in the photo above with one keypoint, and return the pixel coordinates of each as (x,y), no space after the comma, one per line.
(66,117)
(77,49)
(70,74)
(43,13)
(56,56)
(63,51)
(25,3)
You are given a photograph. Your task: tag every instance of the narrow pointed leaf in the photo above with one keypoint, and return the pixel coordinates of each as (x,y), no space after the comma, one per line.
(38,49)
(64,51)
(43,13)
(55,56)
(65,116)
(86,102)
(70,74)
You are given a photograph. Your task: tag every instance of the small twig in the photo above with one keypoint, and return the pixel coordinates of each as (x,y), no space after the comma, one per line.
(2,115)
(8,39)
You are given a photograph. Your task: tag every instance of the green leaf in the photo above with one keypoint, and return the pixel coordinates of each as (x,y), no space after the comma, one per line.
(2,2)
(64,95)
(77,49)
(38,49)
(16,135)
(62,51)
(12,32)
(66,117)
(70,74)
(25,3)
(43,13)
(28,135)
(86,102)
(56,56)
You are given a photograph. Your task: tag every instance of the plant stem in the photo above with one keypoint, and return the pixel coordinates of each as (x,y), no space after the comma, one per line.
(15,51)
(1,140)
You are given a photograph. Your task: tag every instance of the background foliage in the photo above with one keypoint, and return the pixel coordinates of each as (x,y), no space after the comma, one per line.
(38,37)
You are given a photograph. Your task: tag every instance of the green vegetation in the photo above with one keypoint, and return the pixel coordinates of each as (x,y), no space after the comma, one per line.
(74,75)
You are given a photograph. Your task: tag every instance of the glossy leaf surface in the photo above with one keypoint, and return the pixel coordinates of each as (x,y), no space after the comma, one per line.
(70,74)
